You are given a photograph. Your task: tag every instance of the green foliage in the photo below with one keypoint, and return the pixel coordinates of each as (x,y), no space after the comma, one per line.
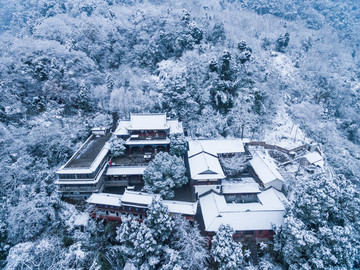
(117,147)
(163,174)
(226,253)
(146,244)
(321,227)
(282,42)
(178,144)
(160,222)
(103,262)
(68,241)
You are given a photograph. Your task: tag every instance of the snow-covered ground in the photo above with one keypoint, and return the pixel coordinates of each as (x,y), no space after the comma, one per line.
(284,132)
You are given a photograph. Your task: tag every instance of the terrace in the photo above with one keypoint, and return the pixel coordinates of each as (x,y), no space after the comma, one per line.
(133,159)
(88,153)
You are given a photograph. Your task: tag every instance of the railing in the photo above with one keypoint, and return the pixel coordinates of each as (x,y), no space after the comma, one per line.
(275,147)
(140,164)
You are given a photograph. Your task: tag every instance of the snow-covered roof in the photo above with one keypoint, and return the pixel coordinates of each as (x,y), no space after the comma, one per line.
(99,157)
(265,168)
(136,198)
(81,181)
(122,128)
(125,170)
(221,146)
(315,158)
(179,207)
(105,199)
(175,126)
(231,188)
(203,157)
(98,129)
(205,166)
(147,142)
(242,216)
(152,121)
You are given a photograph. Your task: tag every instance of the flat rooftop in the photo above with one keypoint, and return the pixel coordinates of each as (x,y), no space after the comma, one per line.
(89,152)
(134,159)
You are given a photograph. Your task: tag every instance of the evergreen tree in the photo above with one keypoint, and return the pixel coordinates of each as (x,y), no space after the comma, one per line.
(160,222)
(282,42)
(178,144)
(163,174)
(137,244)
(117,147)
(192,246)
(321,227)
(226,253)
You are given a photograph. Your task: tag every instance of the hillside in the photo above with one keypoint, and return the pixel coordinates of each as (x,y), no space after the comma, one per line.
(259,68)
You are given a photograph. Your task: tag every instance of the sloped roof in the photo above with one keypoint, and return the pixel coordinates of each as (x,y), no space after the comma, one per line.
(203,157)
(141,198)
(121,129)
(88,157)
(215,147)
(148,121)
(231,188)
(205,166)
(105,199)
(179,207)
(135,197)
(175,126)
(242,216)
(315,158)
(125,170)
(265,168)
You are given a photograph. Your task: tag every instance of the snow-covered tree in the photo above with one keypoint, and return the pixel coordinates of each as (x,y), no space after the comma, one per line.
(42,254)
(117,147)
(192,246)
(160,222)
(321,226)
(137,244)
(178,144)
(226,253)
(146,244)
(29,218)
(163,174)
(173,260)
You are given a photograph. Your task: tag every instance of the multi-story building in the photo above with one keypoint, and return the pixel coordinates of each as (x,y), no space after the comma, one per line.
(251,212)
(136,204)
(148,132)
(91,168)
(83,173)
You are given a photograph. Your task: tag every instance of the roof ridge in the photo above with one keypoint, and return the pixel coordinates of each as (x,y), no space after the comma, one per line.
(263,160)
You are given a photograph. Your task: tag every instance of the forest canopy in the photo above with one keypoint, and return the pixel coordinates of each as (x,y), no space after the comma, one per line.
(226,68)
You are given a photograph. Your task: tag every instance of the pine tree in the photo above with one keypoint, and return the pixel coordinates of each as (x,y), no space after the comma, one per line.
(164,173)
(225,251)
(117,147)
(160,222)
(178,144)
(192,246)
(321,226)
